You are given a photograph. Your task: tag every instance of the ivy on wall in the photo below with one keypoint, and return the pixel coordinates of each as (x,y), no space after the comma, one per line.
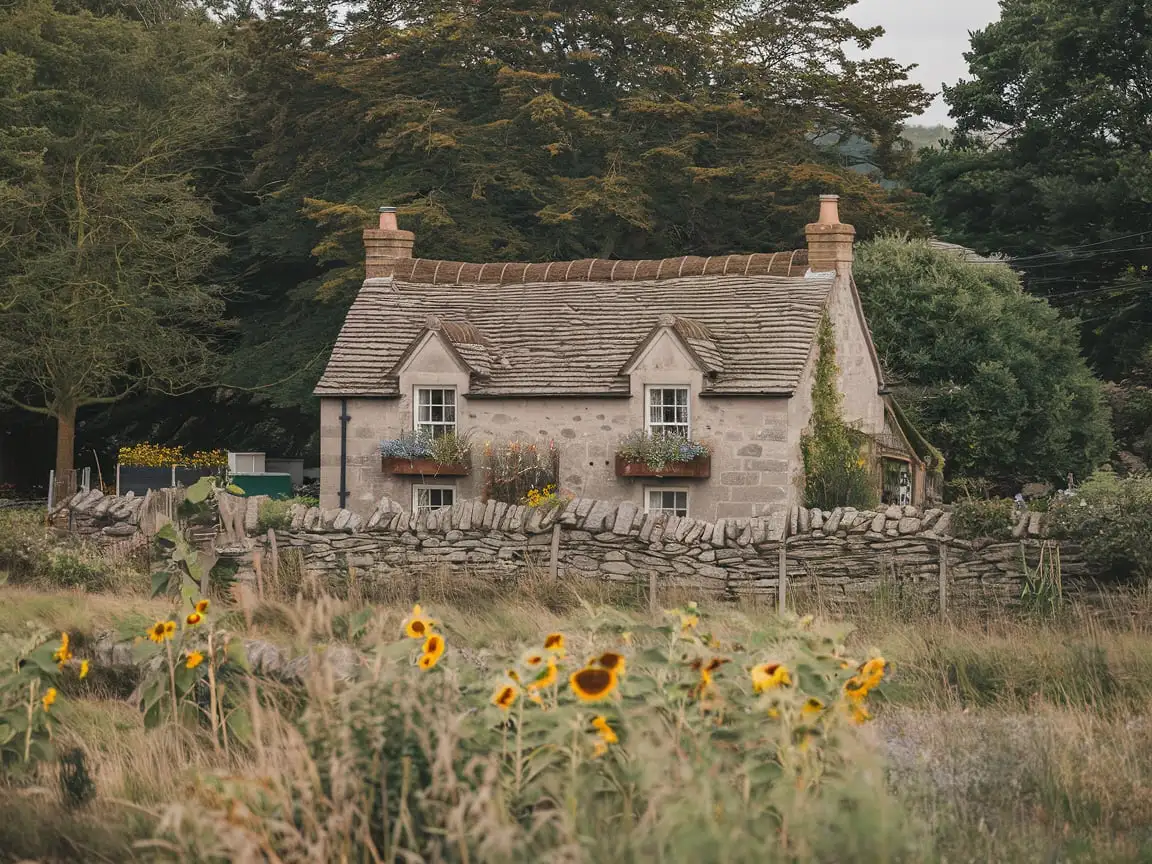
(836,474)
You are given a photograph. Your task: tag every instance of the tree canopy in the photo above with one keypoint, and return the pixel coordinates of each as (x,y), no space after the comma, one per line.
(104,241)
(1051,163)
(992,376)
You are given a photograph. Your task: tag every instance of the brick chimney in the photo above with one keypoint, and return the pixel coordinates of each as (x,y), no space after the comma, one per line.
(829,240)
(384,244)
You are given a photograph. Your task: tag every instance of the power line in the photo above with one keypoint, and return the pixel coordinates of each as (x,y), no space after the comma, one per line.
(1082,246)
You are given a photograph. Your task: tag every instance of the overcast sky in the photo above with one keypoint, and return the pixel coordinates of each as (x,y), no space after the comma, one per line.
(931,33)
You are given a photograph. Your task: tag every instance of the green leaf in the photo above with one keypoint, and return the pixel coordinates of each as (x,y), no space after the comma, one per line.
(239,725)
(161,582)
(168,532)
(233,489)
(236,653)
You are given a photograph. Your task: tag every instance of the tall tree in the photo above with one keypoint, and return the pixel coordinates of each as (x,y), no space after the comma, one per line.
(1051,162)
(537,129)
(993,376)
(104,241)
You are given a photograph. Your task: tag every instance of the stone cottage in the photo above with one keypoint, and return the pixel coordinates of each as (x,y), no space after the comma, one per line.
(576,356)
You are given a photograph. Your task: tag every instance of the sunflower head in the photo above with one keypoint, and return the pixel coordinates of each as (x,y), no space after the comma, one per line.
(812,707)
(533,659)
(873,671)
(169,629)
(767,676)
(202,606)
(607,734)
(554,642)
(428,661)
(592,683)
(195,658)
(434,644)
(418,625)
(193,619)
(49,698)
(156,632)
(505,696)
(611,660)
(546,678)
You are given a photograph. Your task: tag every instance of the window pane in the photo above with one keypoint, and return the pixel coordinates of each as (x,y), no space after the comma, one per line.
(435,410)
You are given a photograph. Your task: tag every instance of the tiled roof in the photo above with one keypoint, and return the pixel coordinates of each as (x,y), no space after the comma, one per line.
(970,256)
(571,335)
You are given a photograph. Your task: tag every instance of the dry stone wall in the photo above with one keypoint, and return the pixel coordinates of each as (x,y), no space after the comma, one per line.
(841,554)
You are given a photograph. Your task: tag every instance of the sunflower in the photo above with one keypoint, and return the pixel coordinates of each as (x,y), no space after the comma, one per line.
(433,651)
(514,675)
(169,629)
(546,678)
(554,642)
(505,696)
(860,714)
(202,606)
(812,707)
(417,625)
(158,632)
(873,671)
(49,699)
(64,653)
(606,731)
(193,619)
(689,622)
(591,684)
(195,658)
(83,669)
(611,660)
(768,676)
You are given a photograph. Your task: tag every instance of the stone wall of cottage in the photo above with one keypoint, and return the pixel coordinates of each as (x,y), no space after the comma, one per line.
(842,554)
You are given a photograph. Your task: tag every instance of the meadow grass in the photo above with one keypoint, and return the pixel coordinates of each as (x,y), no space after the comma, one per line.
(998,738)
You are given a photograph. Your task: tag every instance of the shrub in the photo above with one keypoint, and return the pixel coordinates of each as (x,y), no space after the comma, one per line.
(514,469)
(658,451)
(1110,518)
(450,449)
(274,515)
(986,519)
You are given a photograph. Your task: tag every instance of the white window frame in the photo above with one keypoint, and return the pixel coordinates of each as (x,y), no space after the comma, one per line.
(422,487)
(648,490)
(651,428)
(418,424)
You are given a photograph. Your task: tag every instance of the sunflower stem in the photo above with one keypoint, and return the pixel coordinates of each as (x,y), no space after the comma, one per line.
(32,688)
(519,742)
(171,680)
(212,692)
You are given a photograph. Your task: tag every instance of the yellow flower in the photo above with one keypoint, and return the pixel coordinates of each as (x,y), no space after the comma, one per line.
(169,629)
(533,659)
(873,671)
(505,696)
(860,714)
(554,642)
(591,684)
(545,678)
(611,660)
(193,619)
(812,707)
(83,669)
(202,606)
(64,653)
(49,699)
(514,675)
(606,731)
(158,632)
(195,658)
(688,622)
(433,651)
(417,625)
(767,676)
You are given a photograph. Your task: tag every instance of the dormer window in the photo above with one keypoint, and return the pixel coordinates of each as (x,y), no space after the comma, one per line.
(436,411)
(668,411)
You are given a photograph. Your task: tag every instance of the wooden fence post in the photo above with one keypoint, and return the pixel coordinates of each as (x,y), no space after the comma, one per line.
(651,592)
(273,559)
(554,562)
(943,579)
(783,581)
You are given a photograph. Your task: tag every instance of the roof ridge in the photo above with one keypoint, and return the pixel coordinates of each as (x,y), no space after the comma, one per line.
(443,272)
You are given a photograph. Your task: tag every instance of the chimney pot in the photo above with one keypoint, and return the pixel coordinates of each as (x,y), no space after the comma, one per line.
(829,210)
(388,219)
(384,244)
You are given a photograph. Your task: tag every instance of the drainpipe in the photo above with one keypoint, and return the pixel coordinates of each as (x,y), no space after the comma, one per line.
(344,418)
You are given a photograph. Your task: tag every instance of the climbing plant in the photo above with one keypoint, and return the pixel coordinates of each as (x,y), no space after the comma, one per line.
(836,474)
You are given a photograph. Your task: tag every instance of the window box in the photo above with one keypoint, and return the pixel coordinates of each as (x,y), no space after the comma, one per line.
(699,468)
(424,467)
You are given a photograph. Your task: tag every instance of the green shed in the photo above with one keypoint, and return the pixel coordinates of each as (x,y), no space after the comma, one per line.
(273,485)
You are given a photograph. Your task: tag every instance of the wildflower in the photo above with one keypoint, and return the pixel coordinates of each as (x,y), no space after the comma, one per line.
(83,670)
(160,631)
(505,696)
(554,642)
(812,707)
(433,651)
(417,626)
(202,606)
(49,699)
(611,660)
(534,659)
(193,619)
(591,684)
(767,676)
(873,671)
(195,658)
(546,678)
